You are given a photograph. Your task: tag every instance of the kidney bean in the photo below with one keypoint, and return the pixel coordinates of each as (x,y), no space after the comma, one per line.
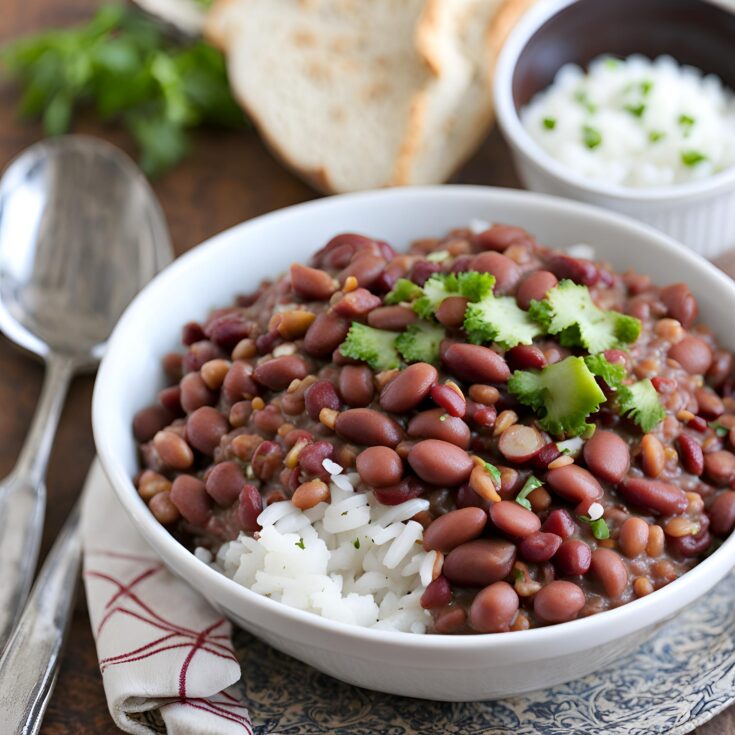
(609,570)
(368,427)
(356,385)
(449,399)
(311,284)
(224,483)
(506,272)
(278,372)
(483,417)
(204,429)
(356,303)
(500,237)
(437,594)
(319,395)
(173,450)
(691,455)
(173,364)
(340,250)
(573,558)
(408,388)
(560,522)
(422,270)
(267,342)
(480,562)
(539,547)
(407,489)
(149,421)
(574,483)
(548,453)
(558,602)
(198,354)
(633,537)
(228,329)
(266,460)
(578,270)
(534,287)
(238,382)
(513,519)
(190,497)
(268,420)
(325,334)
(249,507)
(653,495)
(451,311)
(192,332)
(710,404)
(440,463)
(494,608)
(379,466)
(607,455)
(653,457)
(468,498)
(722,514)
(720,369)
(520,443)
(680,303)
(462,264)
(451,621)
(309,494)
(476,364)
(366,268)
(689,546)
(194,393)
(163,509)
(525,357)
(693,354)
(720,467)
(454,528)
(393,318)
(312,456)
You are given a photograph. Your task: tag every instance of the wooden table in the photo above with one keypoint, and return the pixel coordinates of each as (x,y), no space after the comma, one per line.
(229,178)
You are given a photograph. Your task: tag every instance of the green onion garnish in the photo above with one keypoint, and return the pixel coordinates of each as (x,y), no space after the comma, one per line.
(686,121)
(655,135)
(300,543)
(549,123)
(581,97)
(356,543)
(591,137)
(646,86)
(599,528)
(692,158)
(636,110)
(530,485)
(718,428)
(494,473)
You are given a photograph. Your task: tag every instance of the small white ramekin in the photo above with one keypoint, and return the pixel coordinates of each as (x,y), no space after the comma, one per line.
(700,214)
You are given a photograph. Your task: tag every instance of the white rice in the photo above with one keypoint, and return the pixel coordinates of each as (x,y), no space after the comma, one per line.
(353,559)
(656,123)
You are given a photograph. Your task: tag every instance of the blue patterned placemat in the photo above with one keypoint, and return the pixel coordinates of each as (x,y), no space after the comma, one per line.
(678,680)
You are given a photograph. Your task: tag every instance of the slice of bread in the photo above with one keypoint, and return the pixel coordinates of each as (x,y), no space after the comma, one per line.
(356,94)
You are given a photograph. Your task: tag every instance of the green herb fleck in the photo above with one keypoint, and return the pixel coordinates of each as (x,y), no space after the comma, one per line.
(692,158)
(646,87)
(530,485)
(612,63)
(584,100)
(655,135)
(640,403)
(719,429)
(549,123)
(494,473)
(599,528)
(636,110)
(686,121)
(356,543)
(300,543)
(518,574)
(592,137)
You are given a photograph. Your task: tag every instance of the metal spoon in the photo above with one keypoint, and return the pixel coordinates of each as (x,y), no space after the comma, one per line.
(80,234)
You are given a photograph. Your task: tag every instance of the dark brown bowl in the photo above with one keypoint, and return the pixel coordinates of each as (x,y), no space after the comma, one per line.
(694,32)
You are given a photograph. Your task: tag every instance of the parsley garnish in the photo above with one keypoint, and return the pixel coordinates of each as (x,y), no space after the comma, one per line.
(646,86)
(599,528)
(592,137)
(581,97)
(530,485)
(692,158)
(686,121)
(549,123)
(356,543)
(636,110)
(300,543)
(655,135)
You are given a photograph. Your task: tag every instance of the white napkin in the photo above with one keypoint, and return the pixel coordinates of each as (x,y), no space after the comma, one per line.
(163,650)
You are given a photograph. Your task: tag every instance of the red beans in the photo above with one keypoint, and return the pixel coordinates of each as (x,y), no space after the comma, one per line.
(393,318)
(311,284)
(513,519)
(356,303)
(722,514)
(379,466)
(558,602)
(607,456)
(691,455)
(440,463)
(319,395)
(436,424)
(224,483)
(476,364)
(266,460)
(608,568)
(526,357)
(437,594)
(250,506)
(561,523)
(720,467)
(239,383)
(539,547)
(406,489)
(194,393)
(449,399)
(454,528)
(480,562)
(574,483)
(278,373)
(494,608)
(680,303)
(653,495)
(501,237)
(325,334)
(204,429)
(506,271)
(189,495)
(173,450)
(150,420)
(368,427)
(356,385)
(534,287)
(365,268)
(693,354)
(451,311)
(573,558)
(312,456)
(226,330)
(633,537)
(408,388)
(578,270)
(520,443)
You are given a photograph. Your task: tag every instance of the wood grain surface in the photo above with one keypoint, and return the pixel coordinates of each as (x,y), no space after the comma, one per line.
(230,177)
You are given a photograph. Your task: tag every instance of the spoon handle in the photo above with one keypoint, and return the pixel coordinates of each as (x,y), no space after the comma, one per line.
(23,498)
(29,665)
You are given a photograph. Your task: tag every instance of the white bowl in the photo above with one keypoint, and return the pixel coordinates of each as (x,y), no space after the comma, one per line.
(454,668)
(701,213)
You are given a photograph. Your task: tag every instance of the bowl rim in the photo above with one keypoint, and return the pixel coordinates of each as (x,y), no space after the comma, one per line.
(650,609)
(508,119)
